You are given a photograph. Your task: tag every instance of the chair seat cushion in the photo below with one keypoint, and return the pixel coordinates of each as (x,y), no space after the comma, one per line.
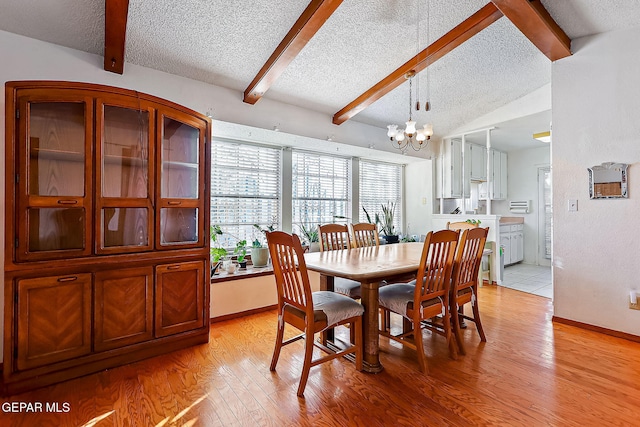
(335,306)
(399,298)
(347,287)
(396,297)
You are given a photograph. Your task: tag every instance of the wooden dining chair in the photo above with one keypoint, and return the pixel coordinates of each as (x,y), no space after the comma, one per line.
(422,301)
(364,234)
(460,225)
(334,237)
(464,288)
(309,312)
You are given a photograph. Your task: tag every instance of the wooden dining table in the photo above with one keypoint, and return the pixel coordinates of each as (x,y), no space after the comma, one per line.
(369,266)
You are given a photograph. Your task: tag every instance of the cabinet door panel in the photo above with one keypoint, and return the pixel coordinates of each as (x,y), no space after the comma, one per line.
(505,242)
(54,197)
(181,207)
(54,319)
(179,297)
(514,248)
(180,159)
(56,149)
(124,175)
(123,307)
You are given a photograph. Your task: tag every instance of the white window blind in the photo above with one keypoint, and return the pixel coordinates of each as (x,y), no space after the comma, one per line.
(380,183)
(245,189)
(320,189)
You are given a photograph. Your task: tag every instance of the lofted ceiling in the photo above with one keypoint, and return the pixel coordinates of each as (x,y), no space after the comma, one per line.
(226,42)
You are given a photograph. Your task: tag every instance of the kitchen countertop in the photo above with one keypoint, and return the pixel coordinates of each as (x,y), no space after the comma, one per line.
(511,220)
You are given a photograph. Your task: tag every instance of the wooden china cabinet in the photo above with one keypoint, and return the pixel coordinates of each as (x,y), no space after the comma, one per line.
(106,242)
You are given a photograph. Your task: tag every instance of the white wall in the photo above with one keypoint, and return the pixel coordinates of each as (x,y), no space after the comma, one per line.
(418,197)
(522,184)
(596,119)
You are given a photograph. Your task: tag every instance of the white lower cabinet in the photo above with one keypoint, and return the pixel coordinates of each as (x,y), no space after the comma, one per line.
(512,240)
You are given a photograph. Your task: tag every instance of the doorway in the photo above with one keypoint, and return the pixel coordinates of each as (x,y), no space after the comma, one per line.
(545,217)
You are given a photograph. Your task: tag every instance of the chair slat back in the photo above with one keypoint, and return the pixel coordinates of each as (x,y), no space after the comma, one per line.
(364,234)
(290,271)
(333,237)
(461,225)
(469,257)
(436,265)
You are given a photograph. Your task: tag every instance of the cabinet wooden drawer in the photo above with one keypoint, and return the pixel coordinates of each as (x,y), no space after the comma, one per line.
(123,307)
(54,319)
(179,294)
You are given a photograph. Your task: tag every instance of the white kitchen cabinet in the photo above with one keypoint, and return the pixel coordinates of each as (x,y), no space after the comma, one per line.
(477,156)
(505,243)
(498,187)
(451,156)
(512,241)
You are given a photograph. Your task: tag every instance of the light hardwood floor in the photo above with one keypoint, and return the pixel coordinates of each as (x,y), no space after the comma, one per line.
(530,372)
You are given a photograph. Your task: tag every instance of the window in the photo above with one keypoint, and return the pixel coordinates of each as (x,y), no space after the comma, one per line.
(245,189)
(380,183)
(320,189)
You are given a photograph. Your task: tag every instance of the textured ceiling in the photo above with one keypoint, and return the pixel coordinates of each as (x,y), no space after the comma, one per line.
(225,42)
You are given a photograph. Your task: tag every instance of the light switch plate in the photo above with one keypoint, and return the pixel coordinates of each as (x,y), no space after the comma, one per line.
(573,205)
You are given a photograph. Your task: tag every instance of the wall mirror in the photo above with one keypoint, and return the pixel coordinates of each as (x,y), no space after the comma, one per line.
(608,181)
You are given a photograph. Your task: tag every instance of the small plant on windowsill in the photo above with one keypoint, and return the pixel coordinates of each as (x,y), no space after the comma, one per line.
(217,253)
(241,252)
(385,221)
(260,253)
(310,233)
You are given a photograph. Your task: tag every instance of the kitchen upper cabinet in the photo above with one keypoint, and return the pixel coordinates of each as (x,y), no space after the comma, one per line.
(107,254)
(455,170)
(478,161)
(498,187)
(452,179)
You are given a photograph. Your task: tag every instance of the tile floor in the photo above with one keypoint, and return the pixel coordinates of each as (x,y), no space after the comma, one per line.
(533,279)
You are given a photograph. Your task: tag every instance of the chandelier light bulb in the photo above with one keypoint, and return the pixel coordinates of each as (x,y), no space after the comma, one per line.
(411,128)
(428,130)
(421,136)
(393,131)
(400,136)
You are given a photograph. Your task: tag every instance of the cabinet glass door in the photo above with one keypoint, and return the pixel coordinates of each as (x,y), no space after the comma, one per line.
(124,177)
(181,181)
(54,178)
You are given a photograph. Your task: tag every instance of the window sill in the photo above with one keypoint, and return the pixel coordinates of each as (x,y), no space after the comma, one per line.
(247,273)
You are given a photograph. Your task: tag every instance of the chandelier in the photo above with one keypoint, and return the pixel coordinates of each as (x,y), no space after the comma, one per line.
(410,136)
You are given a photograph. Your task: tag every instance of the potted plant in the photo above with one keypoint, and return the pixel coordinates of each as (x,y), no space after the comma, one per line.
(260,253)
(311,236)
(217,253)
(241,252)
(385,222)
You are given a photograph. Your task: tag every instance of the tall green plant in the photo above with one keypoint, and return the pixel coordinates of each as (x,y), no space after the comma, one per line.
(385,221)
(310,233)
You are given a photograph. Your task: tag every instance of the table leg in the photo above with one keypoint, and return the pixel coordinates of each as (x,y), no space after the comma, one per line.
(370,327)
(327,284)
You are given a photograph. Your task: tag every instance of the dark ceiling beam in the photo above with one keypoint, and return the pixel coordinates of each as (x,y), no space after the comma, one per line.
(307,25)
(533,20)
(115,32)
(445,44)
